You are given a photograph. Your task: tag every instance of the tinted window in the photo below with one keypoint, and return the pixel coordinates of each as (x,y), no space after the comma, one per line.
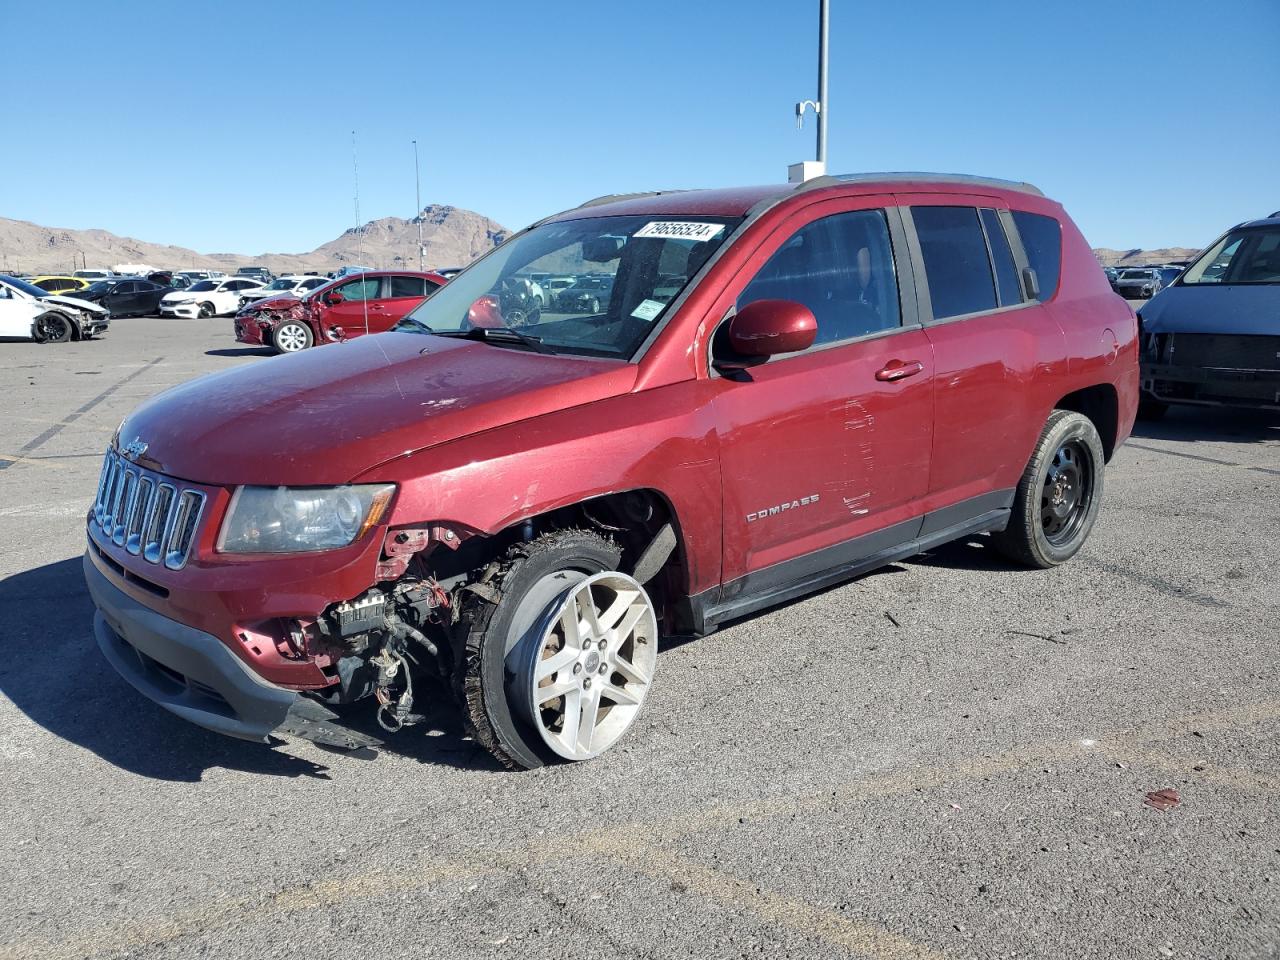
(1001,258)
(408,287)
(841,268)
(128,287)
(955,260)
(1042,240)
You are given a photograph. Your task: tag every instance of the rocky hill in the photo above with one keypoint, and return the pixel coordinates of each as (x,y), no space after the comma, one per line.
(452,237)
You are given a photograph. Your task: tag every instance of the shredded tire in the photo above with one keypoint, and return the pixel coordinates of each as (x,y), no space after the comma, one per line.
(482,627)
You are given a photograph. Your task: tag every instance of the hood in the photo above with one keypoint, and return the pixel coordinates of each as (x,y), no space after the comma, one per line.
(273,302)
(327,415)
(75,302)
(1242,309)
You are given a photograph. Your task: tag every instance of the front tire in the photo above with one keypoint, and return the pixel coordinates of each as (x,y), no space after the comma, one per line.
(534,683)
(1057,499)
(291,336)
(53,328)
(206,311)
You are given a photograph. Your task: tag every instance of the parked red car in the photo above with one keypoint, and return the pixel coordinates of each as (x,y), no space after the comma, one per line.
(349,307)
(787,386)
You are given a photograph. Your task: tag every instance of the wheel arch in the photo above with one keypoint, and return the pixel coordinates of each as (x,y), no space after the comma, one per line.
(1101,404)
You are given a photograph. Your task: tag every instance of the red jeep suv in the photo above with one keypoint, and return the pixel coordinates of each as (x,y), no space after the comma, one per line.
(785,387)
(349,307)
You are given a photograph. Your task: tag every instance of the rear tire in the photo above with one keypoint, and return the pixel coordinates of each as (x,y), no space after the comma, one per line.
(1057,499)
(531,578)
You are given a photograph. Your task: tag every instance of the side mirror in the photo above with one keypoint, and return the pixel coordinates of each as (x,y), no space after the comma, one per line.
(767,328)
(333,298)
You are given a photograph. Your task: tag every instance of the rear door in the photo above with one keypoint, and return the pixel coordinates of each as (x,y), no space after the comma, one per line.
(825,453)
(400,295)
(991,342)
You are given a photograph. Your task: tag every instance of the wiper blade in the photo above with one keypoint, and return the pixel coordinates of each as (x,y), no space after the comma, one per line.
(498,336)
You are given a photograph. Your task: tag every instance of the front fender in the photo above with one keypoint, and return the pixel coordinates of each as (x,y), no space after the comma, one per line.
(662,439)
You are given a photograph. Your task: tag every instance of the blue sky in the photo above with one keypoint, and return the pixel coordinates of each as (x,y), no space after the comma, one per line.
(227,126)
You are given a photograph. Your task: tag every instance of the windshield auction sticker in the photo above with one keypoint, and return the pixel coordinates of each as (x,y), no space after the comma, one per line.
(679,230)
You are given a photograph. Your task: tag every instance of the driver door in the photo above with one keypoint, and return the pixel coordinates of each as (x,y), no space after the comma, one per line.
(357,312)
(16,314)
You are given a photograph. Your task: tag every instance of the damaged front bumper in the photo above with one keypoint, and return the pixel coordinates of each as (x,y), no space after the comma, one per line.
(194,675)
(1212,386)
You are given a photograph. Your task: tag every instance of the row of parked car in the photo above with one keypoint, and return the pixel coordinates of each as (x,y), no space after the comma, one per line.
(1142,283)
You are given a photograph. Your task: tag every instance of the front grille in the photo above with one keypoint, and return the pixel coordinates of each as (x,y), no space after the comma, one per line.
(146,513)
(1224,351)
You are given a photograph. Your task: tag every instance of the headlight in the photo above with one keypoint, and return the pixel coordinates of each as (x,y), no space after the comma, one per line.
(299,519)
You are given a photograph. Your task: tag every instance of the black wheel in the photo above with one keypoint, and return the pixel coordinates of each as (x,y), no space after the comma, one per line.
(206,311)
(1149,409)
(518,664)
(291,336)
(1057,499)
(53,328)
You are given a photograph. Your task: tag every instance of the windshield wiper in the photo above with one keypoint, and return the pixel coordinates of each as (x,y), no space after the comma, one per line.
(498,336)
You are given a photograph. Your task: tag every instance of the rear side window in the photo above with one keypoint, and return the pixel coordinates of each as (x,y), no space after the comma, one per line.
(1007,285)
(1042,240)
(841,268)
(408,287)
(955,260)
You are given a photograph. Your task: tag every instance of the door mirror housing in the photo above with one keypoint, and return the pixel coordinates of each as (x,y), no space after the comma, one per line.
(333,298)
(767,328)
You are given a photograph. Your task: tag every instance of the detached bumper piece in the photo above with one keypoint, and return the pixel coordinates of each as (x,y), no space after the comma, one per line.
(194,675)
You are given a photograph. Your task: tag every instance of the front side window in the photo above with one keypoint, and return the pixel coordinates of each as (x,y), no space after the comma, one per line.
(841,268)
(366,288)
(1242,256)
(1042,241)
(955,260)
(623,273)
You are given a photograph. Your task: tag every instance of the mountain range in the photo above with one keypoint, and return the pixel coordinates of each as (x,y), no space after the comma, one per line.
(451,237)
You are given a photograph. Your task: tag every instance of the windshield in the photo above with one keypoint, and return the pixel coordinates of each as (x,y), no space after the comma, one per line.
(203,285)
(99,286)
(623,271)
(29,289)
(283,283)
(1242,256)
(1136,275)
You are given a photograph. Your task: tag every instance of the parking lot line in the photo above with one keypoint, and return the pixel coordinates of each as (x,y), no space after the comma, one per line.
(133,936)
(1202,459)
(9,459)
(59,426)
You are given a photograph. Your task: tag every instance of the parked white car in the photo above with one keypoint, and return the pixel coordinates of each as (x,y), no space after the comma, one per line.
(208,298)
(28,312)
(298,286)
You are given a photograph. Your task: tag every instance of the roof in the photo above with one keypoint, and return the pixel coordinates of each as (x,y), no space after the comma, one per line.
(738,201)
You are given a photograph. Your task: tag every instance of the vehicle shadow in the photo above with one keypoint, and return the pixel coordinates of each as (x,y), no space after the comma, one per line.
(241,352)
(51,670)
(968,553)
(1219,424)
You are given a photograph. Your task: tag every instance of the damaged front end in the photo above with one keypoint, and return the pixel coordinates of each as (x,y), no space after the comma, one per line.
(256,323)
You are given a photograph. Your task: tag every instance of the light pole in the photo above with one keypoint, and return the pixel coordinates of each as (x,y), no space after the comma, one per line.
(417,190)
(806,170)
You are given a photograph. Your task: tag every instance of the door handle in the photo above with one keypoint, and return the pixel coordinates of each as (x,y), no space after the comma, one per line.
(899,370)
(376,307)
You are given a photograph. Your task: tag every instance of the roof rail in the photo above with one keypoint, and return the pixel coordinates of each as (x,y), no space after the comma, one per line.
(616,197)
(963,179)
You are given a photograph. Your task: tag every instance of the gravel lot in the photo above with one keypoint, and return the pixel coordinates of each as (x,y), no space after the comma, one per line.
(948,758)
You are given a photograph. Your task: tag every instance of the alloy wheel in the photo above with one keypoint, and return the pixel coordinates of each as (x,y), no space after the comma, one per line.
(583,673)
(291,338)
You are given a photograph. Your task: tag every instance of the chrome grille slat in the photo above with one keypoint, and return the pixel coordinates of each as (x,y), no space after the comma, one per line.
(147,514)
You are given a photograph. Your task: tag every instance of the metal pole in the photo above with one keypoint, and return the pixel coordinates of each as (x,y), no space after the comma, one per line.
(822,81)
(417,188)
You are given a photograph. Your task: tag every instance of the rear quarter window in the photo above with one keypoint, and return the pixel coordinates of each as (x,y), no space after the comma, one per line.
(1042,241)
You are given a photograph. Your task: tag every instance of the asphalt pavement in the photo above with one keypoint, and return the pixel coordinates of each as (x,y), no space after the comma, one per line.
(948,758)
